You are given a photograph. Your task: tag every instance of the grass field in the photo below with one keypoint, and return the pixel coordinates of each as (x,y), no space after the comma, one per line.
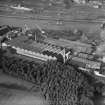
(49,24)
(14,91)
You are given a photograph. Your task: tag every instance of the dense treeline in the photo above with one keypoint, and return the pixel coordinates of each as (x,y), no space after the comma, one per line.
(60,83)
(1,56)
(66,86)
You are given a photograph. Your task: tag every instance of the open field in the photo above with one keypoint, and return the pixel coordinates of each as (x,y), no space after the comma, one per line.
(50,24)
(15,91)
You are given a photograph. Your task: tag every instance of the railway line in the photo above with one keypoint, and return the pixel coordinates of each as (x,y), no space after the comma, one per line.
(56,19)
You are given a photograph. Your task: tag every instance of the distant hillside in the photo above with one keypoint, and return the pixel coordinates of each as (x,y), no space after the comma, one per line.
(68,3)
